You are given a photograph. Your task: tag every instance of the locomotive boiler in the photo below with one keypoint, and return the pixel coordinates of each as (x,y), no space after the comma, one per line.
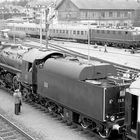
(90,95)
(10,64)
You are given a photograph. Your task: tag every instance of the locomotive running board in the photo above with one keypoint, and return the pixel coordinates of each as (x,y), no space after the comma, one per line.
(10,68)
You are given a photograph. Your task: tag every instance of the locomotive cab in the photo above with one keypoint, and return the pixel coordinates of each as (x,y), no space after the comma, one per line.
(132,111)
(30,63)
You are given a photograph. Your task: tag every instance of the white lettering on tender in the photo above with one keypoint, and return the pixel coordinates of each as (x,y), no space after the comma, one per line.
(46,85)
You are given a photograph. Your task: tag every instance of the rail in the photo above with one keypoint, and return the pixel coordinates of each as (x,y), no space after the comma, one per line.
(120,68)
(9,130)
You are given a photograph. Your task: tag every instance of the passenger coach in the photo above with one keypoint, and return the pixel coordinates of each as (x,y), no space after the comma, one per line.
(132,111)
(117,37)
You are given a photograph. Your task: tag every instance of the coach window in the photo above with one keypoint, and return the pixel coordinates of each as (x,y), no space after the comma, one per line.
(126,32)
(74,32)
(98,31)
(82,32)
(78,32)
(119,32)
(66,31)
(103,31)
(108,31)
(114,32)
(63,31)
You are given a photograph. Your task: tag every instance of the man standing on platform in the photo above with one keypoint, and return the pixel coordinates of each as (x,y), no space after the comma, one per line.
(105,48)
(17,100)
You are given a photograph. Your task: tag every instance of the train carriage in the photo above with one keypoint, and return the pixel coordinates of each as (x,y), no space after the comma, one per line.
(79,34)
(132,111)
(117,37)
(123,38)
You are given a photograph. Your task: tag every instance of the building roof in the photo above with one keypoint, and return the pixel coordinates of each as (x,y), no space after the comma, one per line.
(38,3)
(104,4)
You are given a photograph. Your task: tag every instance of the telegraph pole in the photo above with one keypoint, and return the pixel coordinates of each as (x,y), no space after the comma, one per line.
(41,28)
(88,42)
(46,25)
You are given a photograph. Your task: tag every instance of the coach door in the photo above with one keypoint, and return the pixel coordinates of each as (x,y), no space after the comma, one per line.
(138,120)
(134,114)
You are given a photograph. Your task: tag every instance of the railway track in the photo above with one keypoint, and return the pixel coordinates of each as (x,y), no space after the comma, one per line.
(9,131)
(120,68)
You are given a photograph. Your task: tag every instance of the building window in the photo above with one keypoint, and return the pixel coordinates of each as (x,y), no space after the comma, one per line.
(82,32)
(103,14)
(118,24)
(125,14)
(86,15)
(110,14)
(118,14)
(93,14)
(74,32)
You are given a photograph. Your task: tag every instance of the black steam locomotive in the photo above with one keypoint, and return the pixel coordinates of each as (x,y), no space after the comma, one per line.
(90,95)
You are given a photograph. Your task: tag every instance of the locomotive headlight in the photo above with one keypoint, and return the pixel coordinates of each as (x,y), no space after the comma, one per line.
(112,118)
(122,93)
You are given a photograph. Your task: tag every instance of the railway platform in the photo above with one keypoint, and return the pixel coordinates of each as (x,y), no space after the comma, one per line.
(114,55)
(41,126)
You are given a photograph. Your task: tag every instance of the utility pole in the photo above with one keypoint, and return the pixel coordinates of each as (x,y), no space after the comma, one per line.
(89,42)
(14,33)
(46,25)
(41,28)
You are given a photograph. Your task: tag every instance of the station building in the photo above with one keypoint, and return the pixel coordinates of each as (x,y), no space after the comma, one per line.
(100,12)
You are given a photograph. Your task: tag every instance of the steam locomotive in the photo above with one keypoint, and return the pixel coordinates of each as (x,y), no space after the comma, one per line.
(117,37)
(90,95)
